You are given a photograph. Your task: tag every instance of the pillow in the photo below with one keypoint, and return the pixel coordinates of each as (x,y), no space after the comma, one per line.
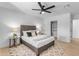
(29,34)
(33,33)
(38,32)
(24,33)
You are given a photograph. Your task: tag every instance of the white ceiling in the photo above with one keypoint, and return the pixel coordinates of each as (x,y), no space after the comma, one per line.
(26,7)
(8,6)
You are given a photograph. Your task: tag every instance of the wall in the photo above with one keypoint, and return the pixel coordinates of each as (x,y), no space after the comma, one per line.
(75,16)
(75,28)
(12,18)
(64,22)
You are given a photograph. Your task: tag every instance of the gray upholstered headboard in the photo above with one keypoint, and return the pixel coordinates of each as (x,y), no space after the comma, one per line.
(26,28)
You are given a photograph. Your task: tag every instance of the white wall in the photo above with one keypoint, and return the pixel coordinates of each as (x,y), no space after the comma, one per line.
(11,18)
(64,22)
(76,28)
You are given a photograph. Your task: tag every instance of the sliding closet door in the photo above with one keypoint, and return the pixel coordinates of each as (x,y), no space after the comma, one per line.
(76,28)
(54,28)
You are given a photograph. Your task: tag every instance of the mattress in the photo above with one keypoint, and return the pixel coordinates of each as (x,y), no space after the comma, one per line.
(38,41)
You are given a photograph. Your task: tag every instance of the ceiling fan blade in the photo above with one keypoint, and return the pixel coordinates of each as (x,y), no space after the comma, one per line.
(48,11)
(37,9)
(39,3)
(50,7)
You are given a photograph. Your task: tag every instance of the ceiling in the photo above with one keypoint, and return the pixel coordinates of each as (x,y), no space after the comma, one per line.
(26,7)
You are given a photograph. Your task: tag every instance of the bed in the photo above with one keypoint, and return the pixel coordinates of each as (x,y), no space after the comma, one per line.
(39,43)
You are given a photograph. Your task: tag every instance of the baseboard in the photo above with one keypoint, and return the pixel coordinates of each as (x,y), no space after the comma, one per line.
(75,38)
(65,40)
(9,47)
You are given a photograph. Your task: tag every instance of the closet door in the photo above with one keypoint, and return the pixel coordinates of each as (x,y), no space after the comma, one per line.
(54,28)
(76,28)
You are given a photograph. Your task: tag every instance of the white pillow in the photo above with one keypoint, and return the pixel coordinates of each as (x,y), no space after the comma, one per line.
(33,33)
(25,33)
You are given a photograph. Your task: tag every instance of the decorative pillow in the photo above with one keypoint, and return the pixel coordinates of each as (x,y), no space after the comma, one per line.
(25,32)
(33,33)
(29,34)
(36,33)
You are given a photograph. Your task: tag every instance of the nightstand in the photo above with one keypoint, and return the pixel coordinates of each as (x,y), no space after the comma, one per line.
(14,41)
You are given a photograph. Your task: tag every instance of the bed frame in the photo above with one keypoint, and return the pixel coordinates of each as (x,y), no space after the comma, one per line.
(37,50)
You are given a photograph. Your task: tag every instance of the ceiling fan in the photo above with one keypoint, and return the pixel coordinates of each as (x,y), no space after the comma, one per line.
(43,9)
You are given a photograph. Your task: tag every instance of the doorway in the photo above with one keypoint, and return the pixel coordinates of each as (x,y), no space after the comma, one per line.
(53,28)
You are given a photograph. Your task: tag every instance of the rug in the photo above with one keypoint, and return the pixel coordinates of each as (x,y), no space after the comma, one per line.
(22,50)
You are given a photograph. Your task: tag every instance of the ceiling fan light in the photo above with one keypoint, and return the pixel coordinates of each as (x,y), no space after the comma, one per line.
(43,12)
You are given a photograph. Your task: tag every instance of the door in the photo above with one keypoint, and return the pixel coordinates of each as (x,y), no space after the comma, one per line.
(54,28)
(75,28)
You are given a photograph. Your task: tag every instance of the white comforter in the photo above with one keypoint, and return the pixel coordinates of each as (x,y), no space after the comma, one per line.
(39,40)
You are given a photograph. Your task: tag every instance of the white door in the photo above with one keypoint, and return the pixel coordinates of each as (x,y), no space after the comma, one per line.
(76,28)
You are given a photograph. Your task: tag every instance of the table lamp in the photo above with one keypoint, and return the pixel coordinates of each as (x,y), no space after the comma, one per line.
(14,31)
